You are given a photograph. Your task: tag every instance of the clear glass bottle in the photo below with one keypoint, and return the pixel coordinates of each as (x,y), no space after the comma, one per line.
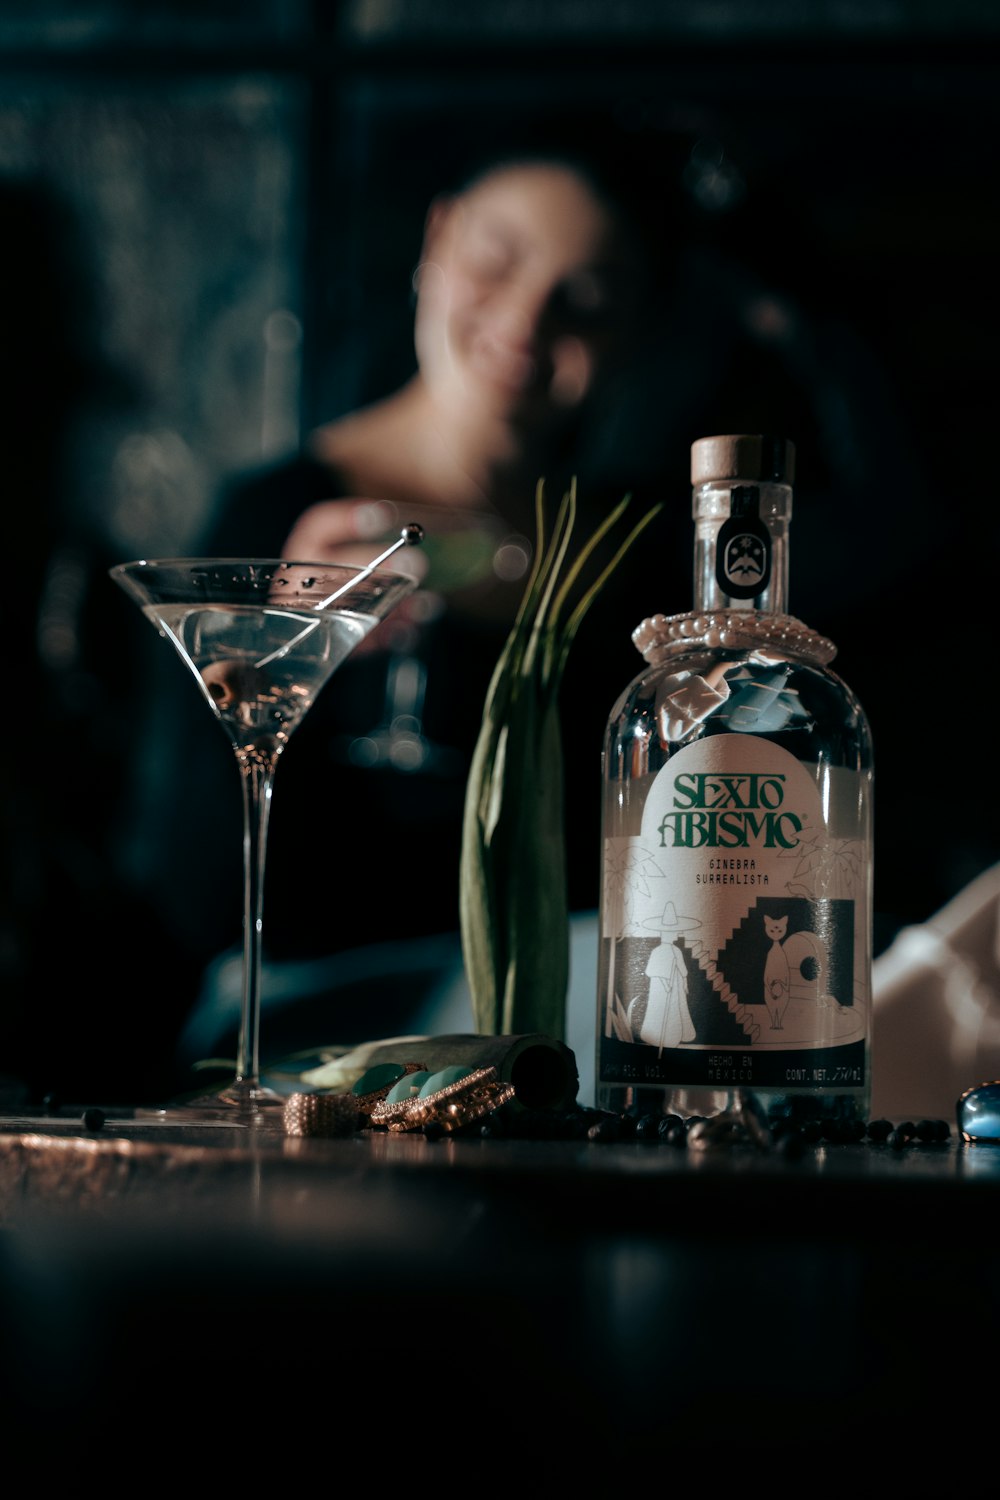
(736,892)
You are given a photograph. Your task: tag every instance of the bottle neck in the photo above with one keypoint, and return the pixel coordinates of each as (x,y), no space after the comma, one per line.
(741,545)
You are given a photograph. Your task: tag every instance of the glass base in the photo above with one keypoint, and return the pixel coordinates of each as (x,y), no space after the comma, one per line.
(241,1103)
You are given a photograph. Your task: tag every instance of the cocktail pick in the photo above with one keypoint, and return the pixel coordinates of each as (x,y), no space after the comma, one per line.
(411,536)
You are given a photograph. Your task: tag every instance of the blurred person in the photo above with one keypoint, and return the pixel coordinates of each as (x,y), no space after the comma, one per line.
(536,288)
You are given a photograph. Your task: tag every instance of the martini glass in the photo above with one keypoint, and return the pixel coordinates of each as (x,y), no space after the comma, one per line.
(261,637)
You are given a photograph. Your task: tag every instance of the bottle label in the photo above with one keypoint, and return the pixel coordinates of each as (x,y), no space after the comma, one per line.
(743,547)
(734,926)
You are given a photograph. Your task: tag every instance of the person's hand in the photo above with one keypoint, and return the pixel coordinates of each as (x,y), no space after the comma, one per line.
(340,531)
(353,532)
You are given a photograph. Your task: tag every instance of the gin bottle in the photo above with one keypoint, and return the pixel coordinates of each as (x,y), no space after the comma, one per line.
(736,890)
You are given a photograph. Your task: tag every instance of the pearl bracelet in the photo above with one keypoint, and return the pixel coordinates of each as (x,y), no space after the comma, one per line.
(735,629)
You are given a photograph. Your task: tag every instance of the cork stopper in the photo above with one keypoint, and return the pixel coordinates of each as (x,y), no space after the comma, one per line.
(748,456)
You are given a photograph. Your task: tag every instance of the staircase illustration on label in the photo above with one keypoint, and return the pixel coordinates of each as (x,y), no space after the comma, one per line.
(741,994)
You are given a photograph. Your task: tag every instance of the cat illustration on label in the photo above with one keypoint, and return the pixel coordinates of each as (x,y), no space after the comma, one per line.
(796,968)
(777,977)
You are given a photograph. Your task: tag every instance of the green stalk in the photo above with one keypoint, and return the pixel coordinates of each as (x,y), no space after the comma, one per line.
(513,901)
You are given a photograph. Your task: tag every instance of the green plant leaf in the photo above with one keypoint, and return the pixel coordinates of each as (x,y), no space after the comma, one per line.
(513,902)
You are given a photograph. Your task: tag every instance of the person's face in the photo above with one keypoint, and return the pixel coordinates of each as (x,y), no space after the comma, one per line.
(524,294)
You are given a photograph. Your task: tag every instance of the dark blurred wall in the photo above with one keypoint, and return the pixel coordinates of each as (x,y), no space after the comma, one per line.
(150,277)
(209,217)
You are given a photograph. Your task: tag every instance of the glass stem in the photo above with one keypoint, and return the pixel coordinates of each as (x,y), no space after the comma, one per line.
(256,776)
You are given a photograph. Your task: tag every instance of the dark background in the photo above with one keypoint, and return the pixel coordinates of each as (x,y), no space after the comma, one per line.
(209,217)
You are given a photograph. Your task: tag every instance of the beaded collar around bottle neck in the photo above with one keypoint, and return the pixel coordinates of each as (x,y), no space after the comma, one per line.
(659,636)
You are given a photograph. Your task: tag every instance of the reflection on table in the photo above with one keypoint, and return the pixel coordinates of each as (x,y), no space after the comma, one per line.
(457,1295)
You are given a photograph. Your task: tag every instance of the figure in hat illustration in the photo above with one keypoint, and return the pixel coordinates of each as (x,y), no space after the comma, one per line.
(667,1020)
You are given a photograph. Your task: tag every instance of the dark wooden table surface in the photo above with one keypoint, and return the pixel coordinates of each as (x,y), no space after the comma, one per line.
(613,1300)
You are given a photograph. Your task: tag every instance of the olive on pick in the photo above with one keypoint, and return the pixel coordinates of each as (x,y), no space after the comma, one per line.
(231,683)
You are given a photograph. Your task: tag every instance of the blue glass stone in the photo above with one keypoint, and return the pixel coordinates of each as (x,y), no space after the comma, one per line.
(379,1077)
(978,1112)
(407,1088)
(443,1078)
